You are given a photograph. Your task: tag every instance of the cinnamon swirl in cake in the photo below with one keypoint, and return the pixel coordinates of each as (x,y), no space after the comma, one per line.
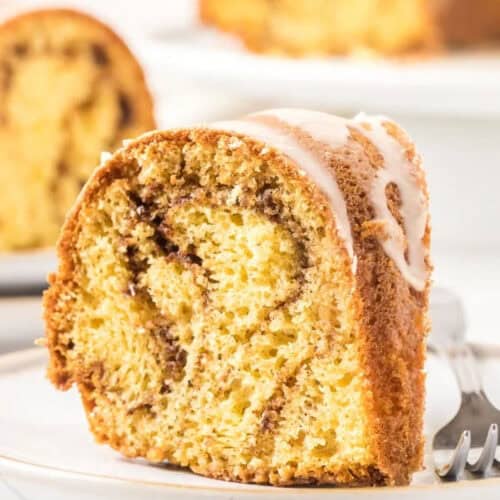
(69,88)
(249,299)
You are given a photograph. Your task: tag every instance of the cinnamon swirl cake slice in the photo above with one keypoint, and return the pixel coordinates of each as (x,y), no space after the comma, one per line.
(69,88)
(249,298)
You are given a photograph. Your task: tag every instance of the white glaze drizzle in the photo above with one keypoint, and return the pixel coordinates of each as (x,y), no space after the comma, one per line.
(398,169)
(334,132)
(310,163)
(329,129)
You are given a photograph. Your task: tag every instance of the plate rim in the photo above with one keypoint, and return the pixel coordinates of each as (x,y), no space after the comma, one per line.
(20,360)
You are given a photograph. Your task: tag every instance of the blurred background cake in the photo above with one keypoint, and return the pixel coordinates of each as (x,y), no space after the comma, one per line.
(69,89)
(305,27)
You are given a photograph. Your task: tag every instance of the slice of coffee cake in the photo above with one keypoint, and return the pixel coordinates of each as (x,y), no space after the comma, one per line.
(249,299)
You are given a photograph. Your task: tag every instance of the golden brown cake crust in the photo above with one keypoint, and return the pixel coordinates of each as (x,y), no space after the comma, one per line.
(116,70)
(391,314)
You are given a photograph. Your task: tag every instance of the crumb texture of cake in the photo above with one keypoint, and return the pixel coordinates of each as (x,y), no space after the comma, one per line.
(69,89)
(249,299)
(312,27)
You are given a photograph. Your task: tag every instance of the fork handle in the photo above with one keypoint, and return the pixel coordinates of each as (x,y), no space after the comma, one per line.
(463,361)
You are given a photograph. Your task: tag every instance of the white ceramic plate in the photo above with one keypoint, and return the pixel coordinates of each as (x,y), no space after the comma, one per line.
(26,269)
(46,451)
(459,84)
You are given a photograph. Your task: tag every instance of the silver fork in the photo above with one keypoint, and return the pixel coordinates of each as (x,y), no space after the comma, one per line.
(474,429)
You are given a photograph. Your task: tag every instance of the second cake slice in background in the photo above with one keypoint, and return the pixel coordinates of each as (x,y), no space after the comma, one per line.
(69,89)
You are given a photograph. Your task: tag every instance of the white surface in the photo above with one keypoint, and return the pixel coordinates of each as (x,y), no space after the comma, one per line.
(47,452)
(456,85)
(21,322)
(26,268)
(475,276)
(462,160)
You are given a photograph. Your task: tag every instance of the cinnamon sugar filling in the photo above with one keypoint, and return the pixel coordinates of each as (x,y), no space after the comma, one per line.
(168,352)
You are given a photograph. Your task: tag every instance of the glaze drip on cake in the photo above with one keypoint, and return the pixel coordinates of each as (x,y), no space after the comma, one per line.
(398,169)
(284,130)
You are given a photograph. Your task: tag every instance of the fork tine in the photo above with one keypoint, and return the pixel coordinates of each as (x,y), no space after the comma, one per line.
(454,470)
(487,457)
